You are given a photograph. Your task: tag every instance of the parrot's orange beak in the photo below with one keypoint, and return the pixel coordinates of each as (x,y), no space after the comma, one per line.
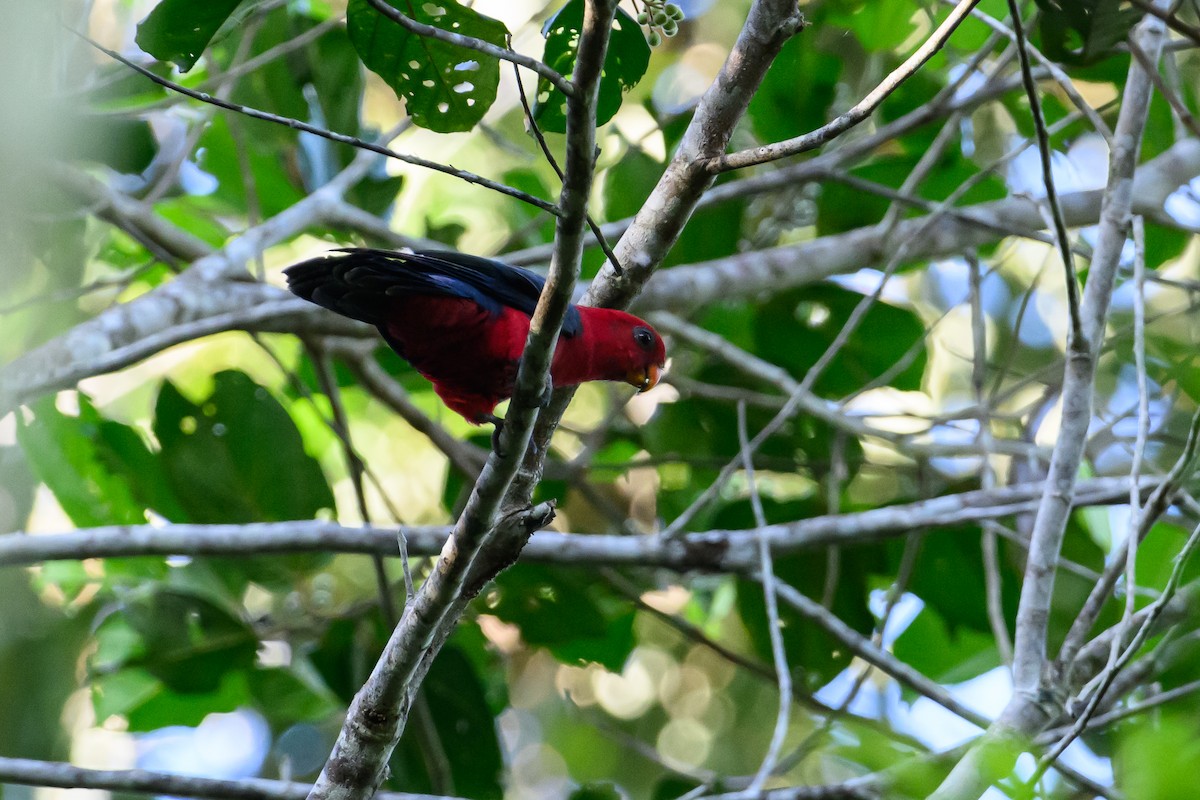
(644,378)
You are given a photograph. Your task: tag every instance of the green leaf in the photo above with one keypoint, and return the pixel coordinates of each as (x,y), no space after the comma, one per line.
(39,645)
(118,693)
(465,725)
(445,87)
(188,642)
(164,707)
(537,599)
(796,91)
(878,26)
(223,157)
(285,697)
(628,183)
(17,487)
(625,63)
(179,30)
(947,656)
(1084,31)
(70,456)
(345,652)
(794,329)
(237,456)
(1159,759)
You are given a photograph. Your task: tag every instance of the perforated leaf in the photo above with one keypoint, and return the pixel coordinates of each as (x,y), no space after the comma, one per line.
(179,30)
(624,65)
(445,87)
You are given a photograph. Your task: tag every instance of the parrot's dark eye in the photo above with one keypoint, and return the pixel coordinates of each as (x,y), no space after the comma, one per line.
(644,337)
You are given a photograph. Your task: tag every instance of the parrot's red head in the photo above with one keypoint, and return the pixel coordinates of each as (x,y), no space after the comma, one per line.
(648,356)
(620,347)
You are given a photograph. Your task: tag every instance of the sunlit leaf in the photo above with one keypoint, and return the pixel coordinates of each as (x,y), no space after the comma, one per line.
(625,63)
(445,87)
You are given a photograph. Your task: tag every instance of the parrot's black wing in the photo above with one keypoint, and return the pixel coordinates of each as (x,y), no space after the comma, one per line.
(358,282)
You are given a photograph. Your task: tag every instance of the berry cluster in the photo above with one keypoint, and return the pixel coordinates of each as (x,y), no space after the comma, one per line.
(662,18)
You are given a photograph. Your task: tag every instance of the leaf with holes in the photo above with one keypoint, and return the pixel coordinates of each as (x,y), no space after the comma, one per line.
(445,87)
(624,65)
(179,30)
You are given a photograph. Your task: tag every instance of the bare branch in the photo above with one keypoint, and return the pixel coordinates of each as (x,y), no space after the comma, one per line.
(333,136)
(766,572)
(1173,22)
(1049,525)
(28,772)
(1063,239)
(876,656)
(1031,708)
(214,294)
(715,550)
(748,275)
(859,112)
(380,709)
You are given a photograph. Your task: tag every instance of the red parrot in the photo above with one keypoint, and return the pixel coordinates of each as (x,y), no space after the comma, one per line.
(462,321)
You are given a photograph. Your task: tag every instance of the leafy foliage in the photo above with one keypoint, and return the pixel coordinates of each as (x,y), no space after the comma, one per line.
(445,87)
(580,675)
(179,30)
(625,63)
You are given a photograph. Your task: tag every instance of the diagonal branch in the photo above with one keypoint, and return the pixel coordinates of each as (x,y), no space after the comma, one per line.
(859,112)
(214,294)
(675,197)
(324,133)
(379,711)
(1033,614)
(1076,338)
(1036,698)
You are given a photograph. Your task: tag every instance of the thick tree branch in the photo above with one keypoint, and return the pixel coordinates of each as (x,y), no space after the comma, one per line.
(1036,694)
(138,329)
(715,550)
(209,296)
(1029,656)
(776,269)
(379,711)
(662,217)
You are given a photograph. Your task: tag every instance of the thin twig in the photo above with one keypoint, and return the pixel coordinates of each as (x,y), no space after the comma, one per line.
(536,130)
(324,133)
(856,114)
(1173,22)
(1153,612)
(1043,140)
(766,571)
(991,562)
(29,772)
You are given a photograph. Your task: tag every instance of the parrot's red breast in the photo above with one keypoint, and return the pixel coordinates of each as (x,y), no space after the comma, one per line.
(462,322)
